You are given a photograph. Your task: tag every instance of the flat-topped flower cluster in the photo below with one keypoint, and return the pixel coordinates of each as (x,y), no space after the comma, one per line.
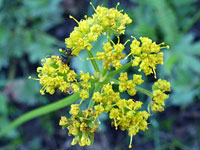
(99,88)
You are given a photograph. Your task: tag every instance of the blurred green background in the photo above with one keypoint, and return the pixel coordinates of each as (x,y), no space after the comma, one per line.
(34,29)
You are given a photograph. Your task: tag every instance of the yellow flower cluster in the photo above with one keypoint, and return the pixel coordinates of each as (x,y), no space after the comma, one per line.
(111,55)
(159,96)
(88,30)
(111,19)
(146,54)
(81,125)
(83,84)
(124,113)
(52,75)
(56,74)
(129,85)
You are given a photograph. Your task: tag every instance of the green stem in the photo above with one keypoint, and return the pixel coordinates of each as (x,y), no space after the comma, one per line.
(109,33)
(97,88)
(119,70)
(142,90)
(39,112)
(104,72)
(146,92)
(94,63)
(94,80)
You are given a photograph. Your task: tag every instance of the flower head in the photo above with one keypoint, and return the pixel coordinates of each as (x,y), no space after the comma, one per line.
(159,96)
(88,30)
(147,54)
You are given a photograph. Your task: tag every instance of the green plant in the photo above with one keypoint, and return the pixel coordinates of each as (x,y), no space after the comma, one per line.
(24,24)
(103,91)
(24,41)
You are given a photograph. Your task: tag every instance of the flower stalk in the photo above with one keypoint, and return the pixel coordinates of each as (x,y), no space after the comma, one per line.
(39,112)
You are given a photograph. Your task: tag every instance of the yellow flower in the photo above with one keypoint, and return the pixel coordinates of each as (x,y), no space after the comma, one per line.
(97,97)
(84,94)
(162,85)
(75,87)
(137,79)
(114,113)
(74,109)
(85,141)
(55,74)
(63,121)
(98,109)
(124,114)
(146,55)
(159,96)
(123,77)
(90,29)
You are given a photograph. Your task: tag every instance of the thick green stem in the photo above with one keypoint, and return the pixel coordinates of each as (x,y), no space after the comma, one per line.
(140,89)
(94,63)
(119,70)
(39,112)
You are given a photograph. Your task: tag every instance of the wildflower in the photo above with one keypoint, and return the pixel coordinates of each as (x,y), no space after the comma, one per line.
(97,97)
(159,96)
(98,109)
(127,115)
(147,54)
(63,121)
(90,29)
(54,74)
(84,94)
(81,125)
(74,109)
(137,79)
(127,85)
(111,55)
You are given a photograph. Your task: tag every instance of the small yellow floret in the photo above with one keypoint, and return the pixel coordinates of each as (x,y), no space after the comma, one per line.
(63,121)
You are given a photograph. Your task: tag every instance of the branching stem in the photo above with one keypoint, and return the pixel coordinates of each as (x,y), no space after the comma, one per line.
(93,61)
